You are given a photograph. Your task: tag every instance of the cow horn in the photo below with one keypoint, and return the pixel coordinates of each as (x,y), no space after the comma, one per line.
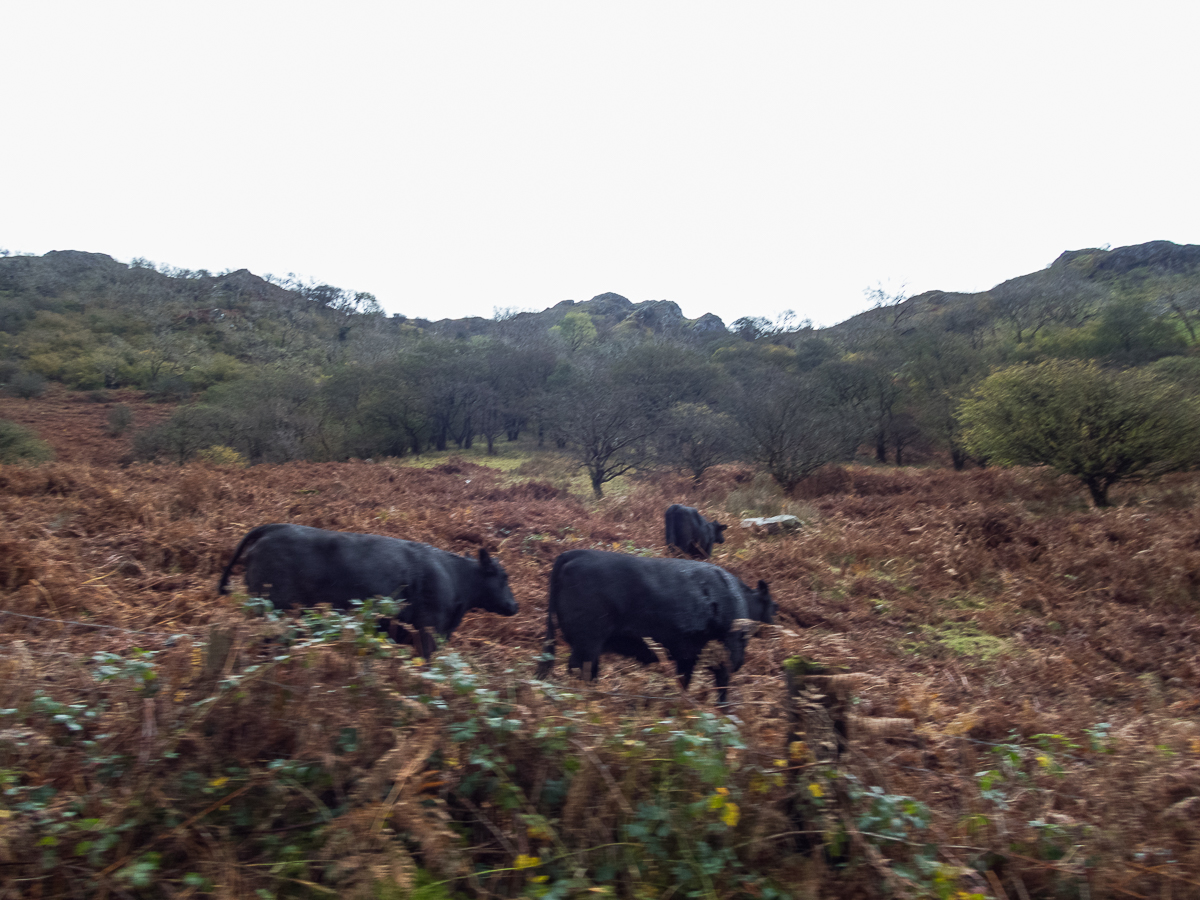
(747,626)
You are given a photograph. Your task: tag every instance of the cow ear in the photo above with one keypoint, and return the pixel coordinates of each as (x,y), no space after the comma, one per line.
(762,587)
(720,527)
(484,559)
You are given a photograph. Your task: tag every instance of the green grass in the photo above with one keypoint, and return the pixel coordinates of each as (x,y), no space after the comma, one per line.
(19,444)
(965,601)
(507,457)
(763,497)
(522,461)
(965,639)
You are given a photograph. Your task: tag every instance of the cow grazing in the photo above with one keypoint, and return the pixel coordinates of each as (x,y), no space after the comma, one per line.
(691,533)
(294,565)
(610,602)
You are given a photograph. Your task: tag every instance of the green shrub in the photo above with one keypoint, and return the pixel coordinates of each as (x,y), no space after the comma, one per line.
(189,430)
(120,418)
(1100,426)
(20,445)
(27,385)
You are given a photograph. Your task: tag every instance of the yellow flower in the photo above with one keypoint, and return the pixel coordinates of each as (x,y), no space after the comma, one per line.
(731,814)
(815,789)
(527,862)
(781,763)
(218,782)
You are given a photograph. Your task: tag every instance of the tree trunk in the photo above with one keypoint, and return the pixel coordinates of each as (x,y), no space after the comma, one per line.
(1098,488)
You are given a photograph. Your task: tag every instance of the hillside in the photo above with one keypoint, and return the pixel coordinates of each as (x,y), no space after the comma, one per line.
(1159,272)
(276,372)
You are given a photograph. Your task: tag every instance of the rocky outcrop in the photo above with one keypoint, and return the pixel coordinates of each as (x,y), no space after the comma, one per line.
(657,315)
(709,324)
(609,306)
(1160,257)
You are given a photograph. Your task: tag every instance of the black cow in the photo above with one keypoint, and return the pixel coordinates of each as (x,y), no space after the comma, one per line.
(295,565)
(691,533)
(610,602)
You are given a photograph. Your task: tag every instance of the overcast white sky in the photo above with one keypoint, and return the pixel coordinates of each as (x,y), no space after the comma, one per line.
(737,158)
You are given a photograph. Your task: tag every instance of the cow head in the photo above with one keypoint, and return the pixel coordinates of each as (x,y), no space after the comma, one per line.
(759,603)
(718,531)
(494,593)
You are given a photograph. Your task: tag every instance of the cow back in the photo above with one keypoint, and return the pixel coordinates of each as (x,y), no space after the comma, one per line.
(295,565)
(596,594)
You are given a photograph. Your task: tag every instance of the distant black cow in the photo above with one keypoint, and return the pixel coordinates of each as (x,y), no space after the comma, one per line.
(294,565)
(610,602)
(691,533)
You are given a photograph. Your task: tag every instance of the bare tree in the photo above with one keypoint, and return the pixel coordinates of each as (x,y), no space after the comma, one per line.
(695,437)
(603,422)
(794,425)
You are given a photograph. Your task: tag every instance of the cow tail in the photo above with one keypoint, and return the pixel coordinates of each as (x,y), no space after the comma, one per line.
(547,661)
(252,537)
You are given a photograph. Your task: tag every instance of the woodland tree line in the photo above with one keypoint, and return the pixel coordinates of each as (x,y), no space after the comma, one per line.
(275,370)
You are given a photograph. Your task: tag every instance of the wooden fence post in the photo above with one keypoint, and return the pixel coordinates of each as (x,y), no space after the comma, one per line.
(816,709)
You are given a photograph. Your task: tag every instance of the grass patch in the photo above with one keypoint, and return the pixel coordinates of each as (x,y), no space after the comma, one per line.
(763,497)
(507,458)
(965,601)
(965,639)
(19,444)
(562,470)
(524,461)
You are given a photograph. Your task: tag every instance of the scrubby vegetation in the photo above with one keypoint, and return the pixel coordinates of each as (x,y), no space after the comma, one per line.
(159,740)
(19,444)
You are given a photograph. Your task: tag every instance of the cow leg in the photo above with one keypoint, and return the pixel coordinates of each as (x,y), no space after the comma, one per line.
(721,679)
(395,630)
(684,667)
(546,663)
(587,663)
(426,642)
(575,663)
(632,646)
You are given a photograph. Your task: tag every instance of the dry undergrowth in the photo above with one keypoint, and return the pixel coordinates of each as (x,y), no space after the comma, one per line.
(1025,636)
